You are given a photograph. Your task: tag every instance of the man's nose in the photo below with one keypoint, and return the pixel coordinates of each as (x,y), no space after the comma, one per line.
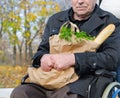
(80,1)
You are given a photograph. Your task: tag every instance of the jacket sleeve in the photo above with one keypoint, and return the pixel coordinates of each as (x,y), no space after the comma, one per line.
(106,57)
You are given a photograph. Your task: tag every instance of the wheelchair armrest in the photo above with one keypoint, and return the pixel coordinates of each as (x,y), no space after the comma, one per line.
(24,78)
(105,73)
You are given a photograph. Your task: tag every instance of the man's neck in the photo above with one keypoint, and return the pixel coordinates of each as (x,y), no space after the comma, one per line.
(81,17)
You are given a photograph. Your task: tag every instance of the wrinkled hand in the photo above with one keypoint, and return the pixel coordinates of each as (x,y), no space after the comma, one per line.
(63,61)
(57,61)
(46,62)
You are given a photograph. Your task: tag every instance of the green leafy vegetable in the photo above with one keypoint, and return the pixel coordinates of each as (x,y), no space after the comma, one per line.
(83,35)
(66,34)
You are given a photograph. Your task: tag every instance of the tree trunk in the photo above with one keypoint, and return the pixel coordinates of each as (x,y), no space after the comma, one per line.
(14,55)
(30,52)
(1,33)
(20,56)
(1,28)
(26,51)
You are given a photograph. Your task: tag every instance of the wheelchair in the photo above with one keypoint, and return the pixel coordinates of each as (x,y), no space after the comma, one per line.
(111,91)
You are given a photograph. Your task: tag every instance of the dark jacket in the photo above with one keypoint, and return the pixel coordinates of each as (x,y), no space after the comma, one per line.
(106,57)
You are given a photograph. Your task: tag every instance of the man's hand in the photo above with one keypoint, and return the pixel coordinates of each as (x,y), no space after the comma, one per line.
(57,61)
(62,61)
(46,62)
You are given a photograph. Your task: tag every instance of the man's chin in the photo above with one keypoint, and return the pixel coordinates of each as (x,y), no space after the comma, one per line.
(81,14)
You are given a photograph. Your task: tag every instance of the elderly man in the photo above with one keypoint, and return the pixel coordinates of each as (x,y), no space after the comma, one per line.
(87,15)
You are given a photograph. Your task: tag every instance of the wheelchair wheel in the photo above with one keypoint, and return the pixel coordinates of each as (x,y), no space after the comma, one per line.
(112,90)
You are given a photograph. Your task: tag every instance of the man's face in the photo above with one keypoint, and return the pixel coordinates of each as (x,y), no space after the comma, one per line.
(83,7)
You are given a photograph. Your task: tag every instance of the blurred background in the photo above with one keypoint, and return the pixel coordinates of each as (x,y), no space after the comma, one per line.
(21,26)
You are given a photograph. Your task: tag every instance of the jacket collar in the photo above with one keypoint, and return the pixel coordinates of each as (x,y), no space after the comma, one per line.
(95,20)
(92,23)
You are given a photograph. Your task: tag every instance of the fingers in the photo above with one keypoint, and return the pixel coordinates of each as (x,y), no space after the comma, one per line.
(63,61)
(45,66)
(46,63)
(58,67)
(57,61)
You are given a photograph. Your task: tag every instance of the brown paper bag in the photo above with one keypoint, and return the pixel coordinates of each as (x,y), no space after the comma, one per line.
(57,79)
(53,79)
